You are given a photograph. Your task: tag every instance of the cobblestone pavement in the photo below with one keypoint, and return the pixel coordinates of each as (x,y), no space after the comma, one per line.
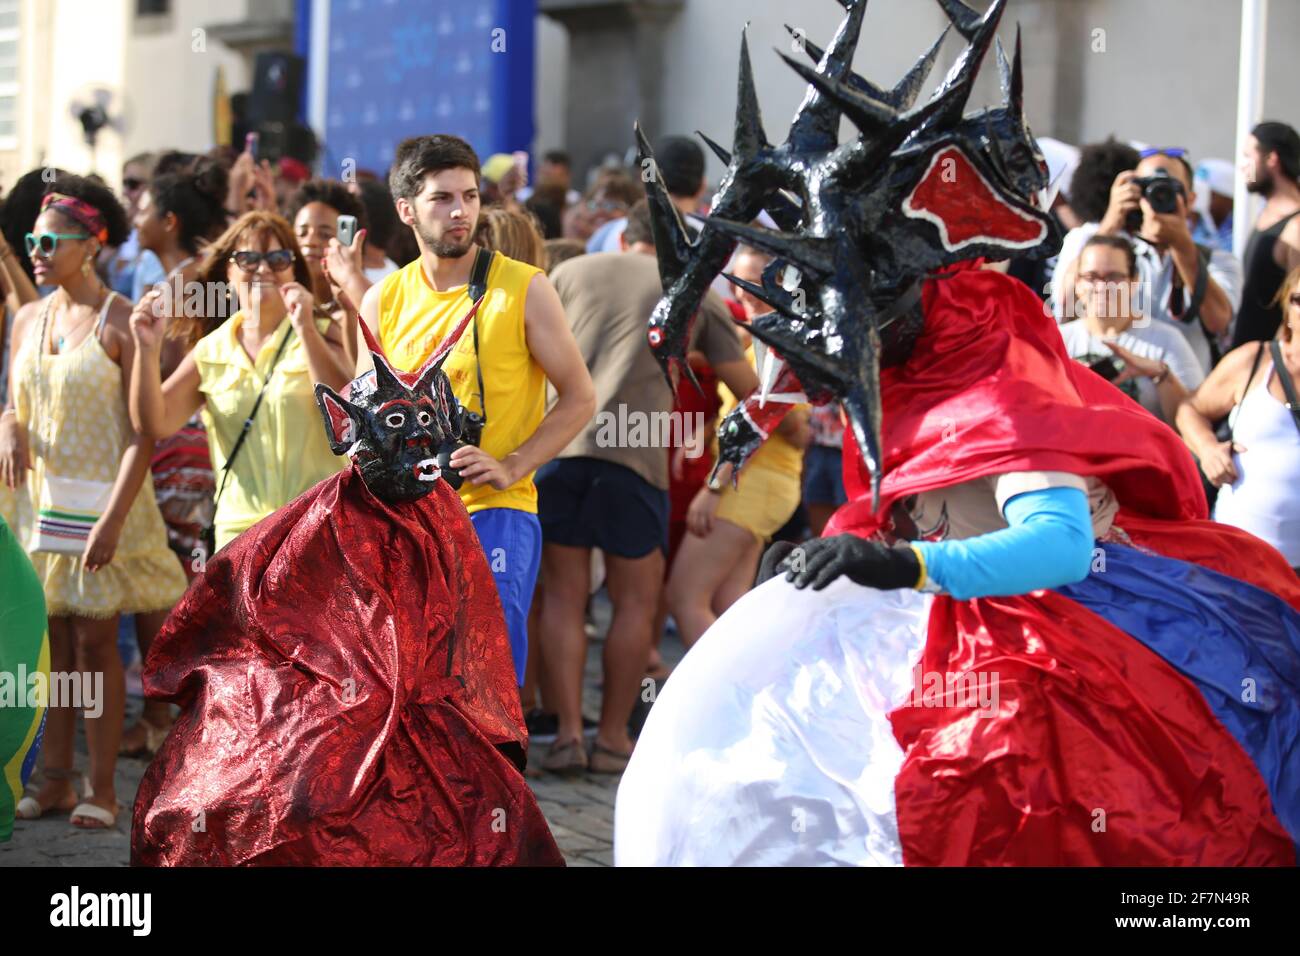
(579,809)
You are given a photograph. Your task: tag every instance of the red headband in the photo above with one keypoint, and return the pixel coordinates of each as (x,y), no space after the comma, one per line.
(80,210)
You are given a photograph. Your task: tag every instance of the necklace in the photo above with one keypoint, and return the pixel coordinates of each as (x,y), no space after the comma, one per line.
(61,339)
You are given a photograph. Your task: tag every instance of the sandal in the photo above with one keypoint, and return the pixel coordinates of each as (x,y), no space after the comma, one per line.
(29,808)
(604,760)
(89,811)
(153,739)
(569,757)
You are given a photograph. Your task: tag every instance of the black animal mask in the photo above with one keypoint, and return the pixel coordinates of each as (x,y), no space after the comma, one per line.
(863,222)
(392,423)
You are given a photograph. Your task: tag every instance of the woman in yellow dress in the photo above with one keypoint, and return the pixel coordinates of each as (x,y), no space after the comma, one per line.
(68,426)
(278,342)
(728,527)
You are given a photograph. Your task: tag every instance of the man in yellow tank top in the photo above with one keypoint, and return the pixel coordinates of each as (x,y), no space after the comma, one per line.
(523,341)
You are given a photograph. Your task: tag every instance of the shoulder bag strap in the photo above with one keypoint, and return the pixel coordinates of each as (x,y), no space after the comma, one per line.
(1193,310)
(1254,367)
(483,260)
(478,286)
(248,422)
(1288,386)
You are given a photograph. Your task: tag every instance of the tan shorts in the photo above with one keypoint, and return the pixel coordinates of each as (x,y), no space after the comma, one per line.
(763,502)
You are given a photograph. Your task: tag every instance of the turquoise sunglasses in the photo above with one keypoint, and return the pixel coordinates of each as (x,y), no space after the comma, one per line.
(48,242)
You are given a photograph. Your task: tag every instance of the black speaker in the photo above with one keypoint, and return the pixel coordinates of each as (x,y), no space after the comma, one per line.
(293,139)
(277,88)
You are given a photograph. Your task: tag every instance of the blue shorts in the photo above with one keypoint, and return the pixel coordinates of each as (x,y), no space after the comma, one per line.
(823,476)
(512,541)
(592,503)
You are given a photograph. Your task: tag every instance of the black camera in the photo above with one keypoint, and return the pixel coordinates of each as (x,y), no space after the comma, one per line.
(471,427)
(1159,189)
(467,429)
(1109,367)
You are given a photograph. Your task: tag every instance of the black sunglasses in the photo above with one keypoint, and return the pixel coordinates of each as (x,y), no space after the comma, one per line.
(131,184)
(249,259)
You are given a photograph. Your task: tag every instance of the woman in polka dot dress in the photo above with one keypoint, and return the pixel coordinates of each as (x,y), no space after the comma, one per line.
(69,419)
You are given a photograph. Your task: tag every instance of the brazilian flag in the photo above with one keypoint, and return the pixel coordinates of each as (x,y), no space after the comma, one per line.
(24,673)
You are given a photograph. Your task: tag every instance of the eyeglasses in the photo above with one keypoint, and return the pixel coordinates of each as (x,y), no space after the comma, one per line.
(131,184)
(249,259)
(48,242)
(1173,152)
(608,205)
(1096,278)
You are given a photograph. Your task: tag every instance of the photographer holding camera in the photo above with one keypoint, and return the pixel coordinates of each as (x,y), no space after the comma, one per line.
(1194,288)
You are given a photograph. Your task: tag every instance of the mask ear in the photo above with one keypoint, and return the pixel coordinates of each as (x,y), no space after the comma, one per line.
(342,419)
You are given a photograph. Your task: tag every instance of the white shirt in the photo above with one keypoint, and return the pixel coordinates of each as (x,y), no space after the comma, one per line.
(1156,272)
(375,273)
(1154,340)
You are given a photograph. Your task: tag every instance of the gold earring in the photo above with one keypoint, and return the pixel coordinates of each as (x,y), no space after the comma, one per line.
(85,267)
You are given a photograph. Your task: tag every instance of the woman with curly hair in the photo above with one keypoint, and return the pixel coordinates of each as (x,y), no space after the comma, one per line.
(179,212)
(314,209)
(86,510)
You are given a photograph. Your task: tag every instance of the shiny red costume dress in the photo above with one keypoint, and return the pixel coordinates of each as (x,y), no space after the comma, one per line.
(347,698)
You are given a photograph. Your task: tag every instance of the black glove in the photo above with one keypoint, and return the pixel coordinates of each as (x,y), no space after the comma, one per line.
(822,560)
(767,568)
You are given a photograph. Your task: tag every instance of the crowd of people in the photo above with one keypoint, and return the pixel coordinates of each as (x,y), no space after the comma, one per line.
(1151,296)
(162,347)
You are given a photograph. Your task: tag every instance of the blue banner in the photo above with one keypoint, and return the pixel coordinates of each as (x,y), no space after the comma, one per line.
(397,68)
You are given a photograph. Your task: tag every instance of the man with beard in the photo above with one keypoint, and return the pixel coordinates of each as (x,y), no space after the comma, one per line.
(500,367)
(1271,164)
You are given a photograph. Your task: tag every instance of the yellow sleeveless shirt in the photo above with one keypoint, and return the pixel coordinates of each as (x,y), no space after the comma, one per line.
(414,317)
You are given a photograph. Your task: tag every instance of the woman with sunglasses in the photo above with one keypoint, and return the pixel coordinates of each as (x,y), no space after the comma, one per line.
(278,346)
(67,423)
(1257,468)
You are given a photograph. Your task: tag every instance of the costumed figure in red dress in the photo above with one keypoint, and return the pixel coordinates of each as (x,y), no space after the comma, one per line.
(1020,642)
(343,671)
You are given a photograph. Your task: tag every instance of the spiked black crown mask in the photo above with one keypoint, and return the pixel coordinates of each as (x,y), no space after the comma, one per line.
(861,223)
(393,423)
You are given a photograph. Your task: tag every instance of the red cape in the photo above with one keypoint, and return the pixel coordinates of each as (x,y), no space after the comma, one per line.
(989,389)
(347,697)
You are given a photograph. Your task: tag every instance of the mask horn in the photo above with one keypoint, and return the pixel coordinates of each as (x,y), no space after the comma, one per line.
(385,374)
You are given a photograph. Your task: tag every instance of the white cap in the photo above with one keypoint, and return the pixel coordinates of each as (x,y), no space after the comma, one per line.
(1218,174)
